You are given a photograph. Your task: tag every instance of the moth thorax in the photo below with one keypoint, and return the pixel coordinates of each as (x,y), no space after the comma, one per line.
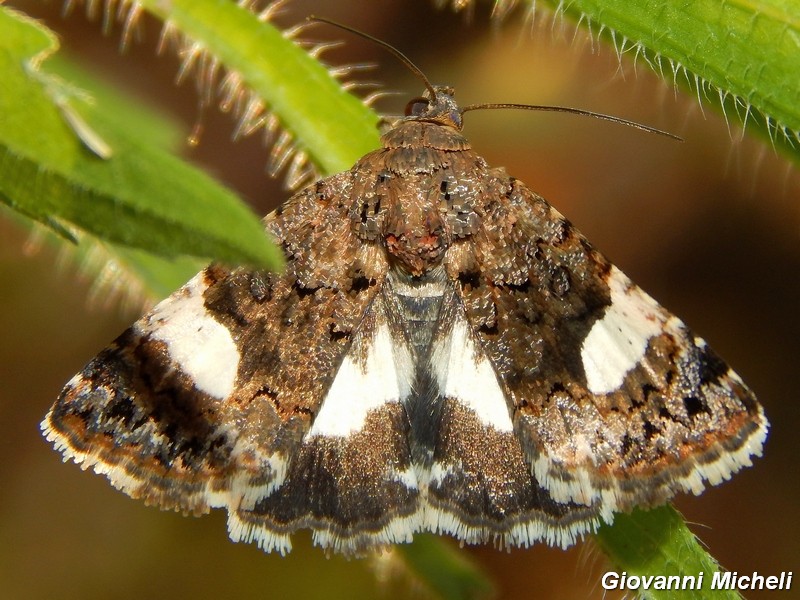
(416,240)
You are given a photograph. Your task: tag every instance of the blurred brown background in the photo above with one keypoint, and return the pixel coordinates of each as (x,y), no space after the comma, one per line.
(710,227)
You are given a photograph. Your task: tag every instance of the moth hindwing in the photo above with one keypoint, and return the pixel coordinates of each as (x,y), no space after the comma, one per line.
(444,352)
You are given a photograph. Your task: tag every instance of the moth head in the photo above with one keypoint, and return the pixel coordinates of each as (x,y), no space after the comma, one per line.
(436,105)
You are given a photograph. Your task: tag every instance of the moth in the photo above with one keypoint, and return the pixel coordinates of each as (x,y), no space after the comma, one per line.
(444,352)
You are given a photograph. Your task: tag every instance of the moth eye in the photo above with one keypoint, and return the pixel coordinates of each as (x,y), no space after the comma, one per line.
(417,107)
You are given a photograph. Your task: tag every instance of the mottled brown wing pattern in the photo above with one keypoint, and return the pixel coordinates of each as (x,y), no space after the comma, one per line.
(613,399)
(203,401)
(444,352)
(351,480)
(479,485)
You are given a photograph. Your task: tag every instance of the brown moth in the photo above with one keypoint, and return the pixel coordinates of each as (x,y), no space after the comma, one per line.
(444,352)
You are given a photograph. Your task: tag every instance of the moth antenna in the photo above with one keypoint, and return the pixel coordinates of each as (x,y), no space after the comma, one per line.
(575,111)
(399,55)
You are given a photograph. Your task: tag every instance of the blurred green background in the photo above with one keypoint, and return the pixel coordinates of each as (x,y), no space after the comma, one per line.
(709,227)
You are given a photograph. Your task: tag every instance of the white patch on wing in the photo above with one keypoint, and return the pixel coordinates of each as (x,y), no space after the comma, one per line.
(712,468)
(399,530)
(728,463)
(465,374)
(522,534)
(618,341)
(240,530)
(439,472)
(256,477)
(364,385)
(408,477)
(201,346)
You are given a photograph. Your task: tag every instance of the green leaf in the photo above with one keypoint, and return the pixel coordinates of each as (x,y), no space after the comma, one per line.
(740,57)
(141,196)
(331,126)
(140,120)
(156,277)
(119,273)
(657,542)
